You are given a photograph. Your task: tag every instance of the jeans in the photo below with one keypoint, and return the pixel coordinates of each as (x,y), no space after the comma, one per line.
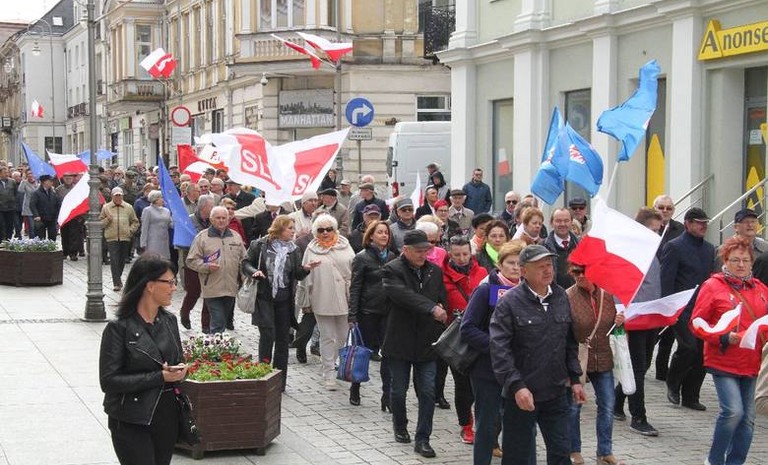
(640,351)
(333,335)
(519,442)
(118,250)
(488,405)
(424,373)
(29,223)
(277,337)
(736,423)
(686,370)
(220,309)
(602,382)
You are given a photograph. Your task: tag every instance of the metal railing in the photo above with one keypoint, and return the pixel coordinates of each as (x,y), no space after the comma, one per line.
(760,202)
(437,24)
(697,195)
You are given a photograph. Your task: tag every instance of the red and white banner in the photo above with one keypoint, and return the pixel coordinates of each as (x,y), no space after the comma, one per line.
(334,50)
(190,164)
(616,252)
(655,313)
(159,64)
(727,322)
(316,61)
(749,338)
(75,203)
(417,196)
(283,172)
(67,164)
(36,110)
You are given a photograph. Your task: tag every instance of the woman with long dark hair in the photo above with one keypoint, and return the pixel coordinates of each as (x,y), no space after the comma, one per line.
(140,362)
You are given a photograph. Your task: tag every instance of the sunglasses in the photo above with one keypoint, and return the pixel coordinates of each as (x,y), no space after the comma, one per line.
(512,202)
(407,209)
(665,208)
(324,230)
(172,281)
(578,207)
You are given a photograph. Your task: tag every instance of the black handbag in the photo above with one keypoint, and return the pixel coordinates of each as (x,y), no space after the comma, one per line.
(456,353)
(188,432)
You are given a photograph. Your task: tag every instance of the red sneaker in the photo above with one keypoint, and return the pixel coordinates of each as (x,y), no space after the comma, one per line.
(467,435)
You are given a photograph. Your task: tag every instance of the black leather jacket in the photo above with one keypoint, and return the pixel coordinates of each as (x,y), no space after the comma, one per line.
(366,291)
(130,366)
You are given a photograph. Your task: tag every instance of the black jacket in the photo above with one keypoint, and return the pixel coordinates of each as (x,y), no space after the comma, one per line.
(242,199)
(411,329)
(485,260)
(533,348)
(261,224)
(686,262)
(562,277)
(674,230)
(357,215)
(366,292)
(44,205)
(474,326)
(130,366)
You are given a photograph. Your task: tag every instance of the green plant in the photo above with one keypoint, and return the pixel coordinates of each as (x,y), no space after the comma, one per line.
(217,357)
(30,245)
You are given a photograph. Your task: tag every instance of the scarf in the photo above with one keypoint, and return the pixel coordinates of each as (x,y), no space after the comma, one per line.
(736,282)
(281,249)
(493,253)
(461,269)
(505,281)
(330,242)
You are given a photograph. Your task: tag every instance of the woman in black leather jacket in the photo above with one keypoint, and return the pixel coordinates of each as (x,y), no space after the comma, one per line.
(368,302)
(139,364)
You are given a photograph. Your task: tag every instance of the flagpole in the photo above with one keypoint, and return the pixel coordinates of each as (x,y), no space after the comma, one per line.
(610,183)
(339,157)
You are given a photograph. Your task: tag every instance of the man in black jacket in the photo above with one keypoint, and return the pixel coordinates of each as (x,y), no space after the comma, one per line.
(561,242)
(417,294)
(686,262)
(44,205)
(535,358)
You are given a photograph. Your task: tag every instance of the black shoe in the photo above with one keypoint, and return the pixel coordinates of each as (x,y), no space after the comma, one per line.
(402,437)
(73,257)
(301,355)
(354,394)
(385,403)
(643,427)
(619,415)
(424,449)
(128,260)
(82,254)
(673,397)
(442,403)
(314,350)
(105,262)
(230,326)
(694,406)
(186,323)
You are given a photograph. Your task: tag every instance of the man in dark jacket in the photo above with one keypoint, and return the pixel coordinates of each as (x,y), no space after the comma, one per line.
(686,262)
(535,357)
(242,199)
(45,209)
(479,198)
(417,294)
(561,242)
(367,197)
(7,204)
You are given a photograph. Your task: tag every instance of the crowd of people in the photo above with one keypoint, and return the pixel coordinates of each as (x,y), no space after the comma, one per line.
(403,272)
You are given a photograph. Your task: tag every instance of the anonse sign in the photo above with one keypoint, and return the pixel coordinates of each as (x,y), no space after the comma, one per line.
(718,43)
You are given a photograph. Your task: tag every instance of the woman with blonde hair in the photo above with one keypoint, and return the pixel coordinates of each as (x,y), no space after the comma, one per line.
(532,220)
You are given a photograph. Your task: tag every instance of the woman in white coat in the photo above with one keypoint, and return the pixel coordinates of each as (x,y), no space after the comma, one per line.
(325,292)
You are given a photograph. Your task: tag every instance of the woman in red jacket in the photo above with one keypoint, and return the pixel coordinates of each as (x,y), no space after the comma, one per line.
(461,275)
(733,369)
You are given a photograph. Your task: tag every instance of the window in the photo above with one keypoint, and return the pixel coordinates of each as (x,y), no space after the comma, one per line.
(280,14)
(503,114)
(127,146)
(208,33)
(217,121)
(143,48)
(198,31)
(54,145)
(184,42)
(578,113)
(198,125)
(433,108)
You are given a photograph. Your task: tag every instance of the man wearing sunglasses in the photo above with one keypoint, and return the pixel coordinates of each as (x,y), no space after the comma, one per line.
(578,207)
(511,199)
(403,223)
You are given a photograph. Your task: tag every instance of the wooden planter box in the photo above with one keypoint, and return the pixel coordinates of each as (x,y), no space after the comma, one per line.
(241,414)
(31,268)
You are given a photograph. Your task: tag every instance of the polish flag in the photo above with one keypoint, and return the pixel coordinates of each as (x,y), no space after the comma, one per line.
(334,50)
(417,196)
(75,203)
(749,338)
(657,313)
(190,164)
(36,110)
(503,168)
(727,322)
(159,64)
(64,164)
(316,61)
(616,252)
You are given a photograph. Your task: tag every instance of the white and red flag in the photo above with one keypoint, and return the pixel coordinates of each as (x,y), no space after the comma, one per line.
(159,64)
(655,313)
(67,164)
(417,196)
(75,203)
(316,61)
(616,252)
(190,163)
(36,110)
(726,323)
(334,50)
(749,338)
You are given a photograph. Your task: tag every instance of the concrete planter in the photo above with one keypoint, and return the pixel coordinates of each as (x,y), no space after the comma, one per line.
(31,268)
(240,414)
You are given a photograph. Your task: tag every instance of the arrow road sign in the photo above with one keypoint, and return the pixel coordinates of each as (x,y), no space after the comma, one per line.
(359,112)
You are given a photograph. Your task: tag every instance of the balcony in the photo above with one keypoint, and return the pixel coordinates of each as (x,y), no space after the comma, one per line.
(437,24)
(134,90)
(81,109)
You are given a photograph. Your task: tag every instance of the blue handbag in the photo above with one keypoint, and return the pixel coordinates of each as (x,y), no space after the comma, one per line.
(354,358)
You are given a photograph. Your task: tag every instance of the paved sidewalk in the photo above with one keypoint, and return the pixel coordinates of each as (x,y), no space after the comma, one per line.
(51,413)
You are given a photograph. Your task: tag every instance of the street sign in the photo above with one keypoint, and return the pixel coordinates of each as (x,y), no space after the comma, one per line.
(360,134)
(359,112)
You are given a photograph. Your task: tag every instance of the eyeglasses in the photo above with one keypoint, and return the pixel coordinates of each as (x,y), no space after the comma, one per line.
(172,281)
(442,210)
(577,271)
(665,208)
(739,261)
(578,207)
(406,209)
(513,202)
(325,230)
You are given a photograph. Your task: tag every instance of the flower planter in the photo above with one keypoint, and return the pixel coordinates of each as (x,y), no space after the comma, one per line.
(31,268)
(240,414)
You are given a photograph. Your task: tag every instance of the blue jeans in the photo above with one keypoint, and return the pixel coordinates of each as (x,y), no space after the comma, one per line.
(424,375)
(605,397)
(736,422)
(221,308)
(488,405)
(519,443)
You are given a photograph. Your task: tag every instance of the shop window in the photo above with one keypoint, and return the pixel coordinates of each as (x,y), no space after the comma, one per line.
(433,108)
(217,121)
(578,112)
(503,114)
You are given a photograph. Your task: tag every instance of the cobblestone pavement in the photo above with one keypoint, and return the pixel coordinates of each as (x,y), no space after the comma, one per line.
(50,401)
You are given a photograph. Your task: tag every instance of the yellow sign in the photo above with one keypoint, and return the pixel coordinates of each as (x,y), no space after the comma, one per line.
(718,43)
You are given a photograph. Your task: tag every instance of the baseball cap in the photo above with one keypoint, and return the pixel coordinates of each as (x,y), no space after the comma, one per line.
(416,238)
(744,213)
(577,202)
(372,209)
(457,192)
(402,203)
(328,191)
(696,214)
(346,182)
(308,196)
(534,253)
(366,185)
(117,191)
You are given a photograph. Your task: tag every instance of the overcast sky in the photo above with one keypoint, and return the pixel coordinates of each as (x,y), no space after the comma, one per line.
(24,9)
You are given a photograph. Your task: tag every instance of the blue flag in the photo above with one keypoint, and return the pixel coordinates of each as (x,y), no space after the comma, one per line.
(627,122)
(184,231)
(549,181)
(585,166)
(101,155)
(38,166)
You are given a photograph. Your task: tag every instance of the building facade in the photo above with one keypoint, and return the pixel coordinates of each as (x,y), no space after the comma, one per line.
(584,56)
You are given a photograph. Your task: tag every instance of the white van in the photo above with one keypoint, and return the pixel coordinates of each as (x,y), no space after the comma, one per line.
(414,145)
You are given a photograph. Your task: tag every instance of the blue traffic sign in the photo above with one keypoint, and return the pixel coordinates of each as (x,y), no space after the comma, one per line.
(359,112)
